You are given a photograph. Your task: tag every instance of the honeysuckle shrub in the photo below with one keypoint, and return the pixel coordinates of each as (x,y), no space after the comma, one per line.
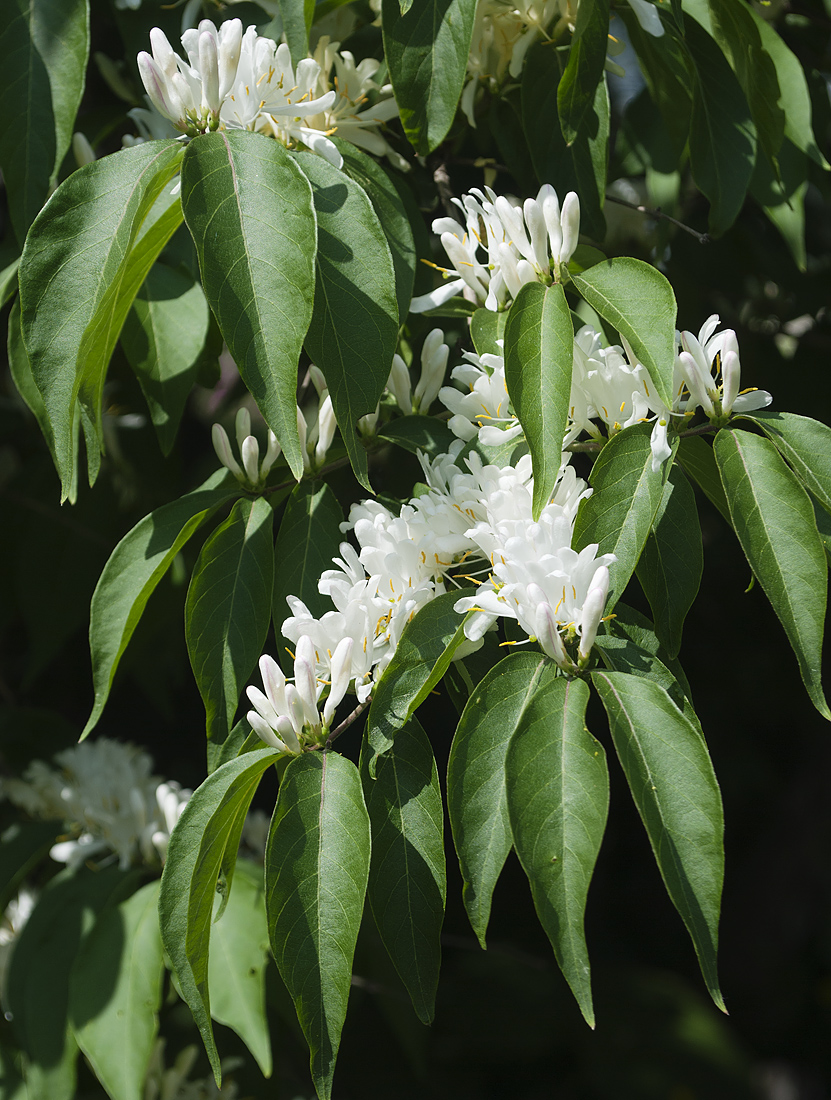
(553,421)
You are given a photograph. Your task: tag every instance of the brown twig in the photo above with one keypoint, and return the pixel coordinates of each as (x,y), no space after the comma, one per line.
(657,212)
(348,720)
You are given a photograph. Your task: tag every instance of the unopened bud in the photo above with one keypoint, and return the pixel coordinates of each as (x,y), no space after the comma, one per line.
(593,608)
(570,221)
(398,384)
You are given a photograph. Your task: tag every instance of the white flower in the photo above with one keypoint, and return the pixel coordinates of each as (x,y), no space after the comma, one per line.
(253,474)
(482,411)
(434,355)
(352,115)
(522,243)
(103,791)
(702,359)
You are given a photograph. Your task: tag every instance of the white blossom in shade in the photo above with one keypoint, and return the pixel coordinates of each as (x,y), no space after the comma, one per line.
(315,440)
(107,798)
(362,106)
(272,97)
(481,408)
(252,473)
(502,245)
(702,359)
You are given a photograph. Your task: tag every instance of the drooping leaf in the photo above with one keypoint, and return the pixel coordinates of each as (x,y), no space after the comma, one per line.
(354,327)
(78,277)
(476,798)
(620,653)
(579,167)
(249,210)
(421,658)
(794,96)
(205,835)
(584,71)
(667,70)
(631,626)
(115,992)
(539,349)
(163,337)
(698,460)
(774,520)
(21,371)
(557,786)
(317,867)
(407,877)
(388,205)
(36,988)
(672,560)
(134,570)
(427,49)
(619,514)
(8,281)
(237,962)
(722,133)
(674,787)
(638,301)
(44,44)
(228,610)
(805,444)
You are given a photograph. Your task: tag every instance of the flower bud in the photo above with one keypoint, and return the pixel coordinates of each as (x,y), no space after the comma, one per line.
(731,373)
(551,214)
(340,673)
(570,222)
(301,431)
(272,453)
(274,683)
(230,40)
(250,451)
(82,150)
(398,384)
(696,383)
(265,733)
(434,356)
(222,446)
(209,71)
(326,426)
(548,635)
(593,608)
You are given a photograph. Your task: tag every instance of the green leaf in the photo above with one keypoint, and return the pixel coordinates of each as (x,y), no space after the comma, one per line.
(163,337)
(297,16)
(307,541)
(205,835)
(421,658)
(619,514)
(476,799)
(354,326)
(794,97)
(237,962)
(805,444)
(8,281)
(407,878)
(557,785)
(698,460)
(78,279)
(774,520)
(630,625)
(674,787)
(667,70)
(249,210)
(623,654)
(427,49)
(228,611)
(317,867)
(735,30)
(44,45)
(638,301)
(419,433)
(486,328)
(539,349)
(672,561)
(579,167)
(388,205)
(36,988)
(115,992)
(722,133)
(133,571)
(584,71)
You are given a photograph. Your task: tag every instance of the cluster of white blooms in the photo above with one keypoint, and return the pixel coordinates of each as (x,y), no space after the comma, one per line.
(239,80)
(503,245)
(701,360)
(434,355)
(108,799)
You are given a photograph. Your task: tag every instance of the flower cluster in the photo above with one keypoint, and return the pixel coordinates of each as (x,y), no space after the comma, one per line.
(503,245)
(239,80)
(253,473)
(108,799)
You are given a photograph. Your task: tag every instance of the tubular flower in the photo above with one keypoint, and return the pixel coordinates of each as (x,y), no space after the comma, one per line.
(702,359)
(252,474)
(522,243)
